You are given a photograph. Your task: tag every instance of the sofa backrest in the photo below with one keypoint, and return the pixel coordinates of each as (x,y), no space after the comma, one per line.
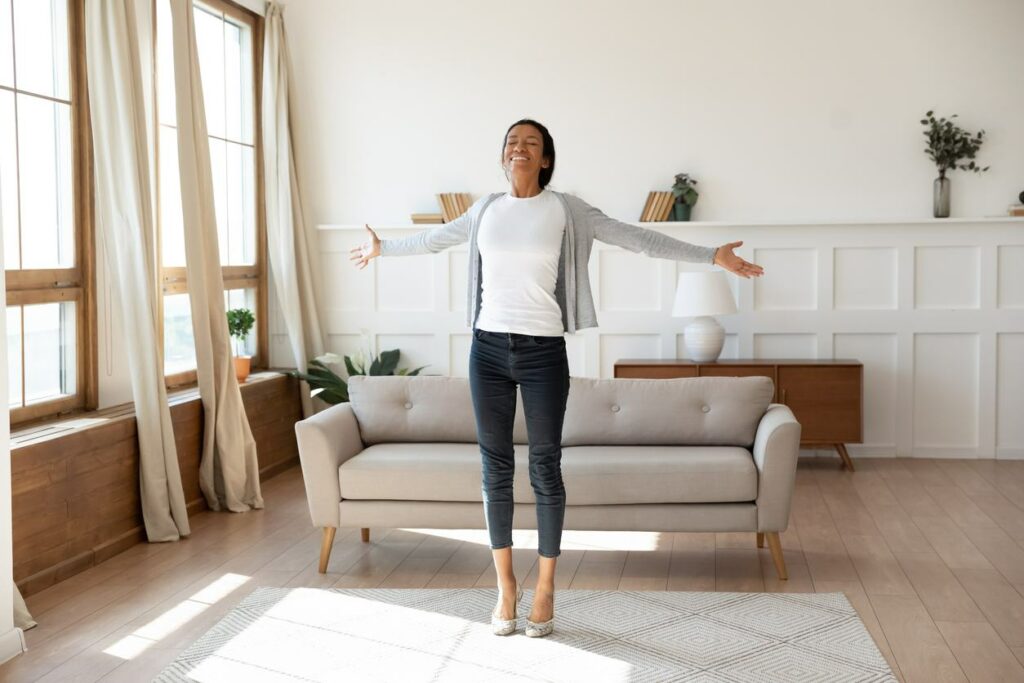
(689,411)
(704,411)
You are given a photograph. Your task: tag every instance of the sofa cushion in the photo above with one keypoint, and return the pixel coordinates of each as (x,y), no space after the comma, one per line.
(720,411)
(395,408)
(709,411)
(593,475)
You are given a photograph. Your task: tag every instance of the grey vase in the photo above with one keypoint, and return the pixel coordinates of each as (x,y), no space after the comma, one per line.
(941,198)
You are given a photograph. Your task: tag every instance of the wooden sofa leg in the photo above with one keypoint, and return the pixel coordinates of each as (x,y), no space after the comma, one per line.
(326,542)
(366,535)
(760,540)
(776,547)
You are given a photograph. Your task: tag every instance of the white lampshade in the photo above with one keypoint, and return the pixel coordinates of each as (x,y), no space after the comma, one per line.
(704,292)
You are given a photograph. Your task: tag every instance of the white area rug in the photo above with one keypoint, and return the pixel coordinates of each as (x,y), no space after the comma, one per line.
(407,635)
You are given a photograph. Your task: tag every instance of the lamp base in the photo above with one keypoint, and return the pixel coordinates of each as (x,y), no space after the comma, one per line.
(703,339)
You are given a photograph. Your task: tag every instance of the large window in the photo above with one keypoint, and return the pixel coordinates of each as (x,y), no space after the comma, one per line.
(43,208)
(227,39)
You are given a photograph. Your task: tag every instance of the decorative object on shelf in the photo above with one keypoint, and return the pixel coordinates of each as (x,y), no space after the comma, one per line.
(454,204)
(1017,209)
(948,144)
(427,218)
(686,196)
(240,322)
(657,208)
(702,294)
(333,389)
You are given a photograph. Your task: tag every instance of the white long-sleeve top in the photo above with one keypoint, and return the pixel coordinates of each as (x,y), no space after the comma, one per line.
(520,241)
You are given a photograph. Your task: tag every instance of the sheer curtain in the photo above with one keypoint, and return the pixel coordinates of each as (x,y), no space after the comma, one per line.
(118,40)
(228,471)
(287,238)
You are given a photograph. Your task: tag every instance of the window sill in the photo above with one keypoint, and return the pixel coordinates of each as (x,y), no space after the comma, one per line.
(57,427)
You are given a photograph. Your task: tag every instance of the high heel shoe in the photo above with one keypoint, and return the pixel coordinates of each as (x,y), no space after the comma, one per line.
(539,629)
(503,627)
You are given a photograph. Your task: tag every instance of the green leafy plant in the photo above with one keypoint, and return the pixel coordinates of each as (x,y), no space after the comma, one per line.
(333,389)
(240,322)
(949,144)
(683,189)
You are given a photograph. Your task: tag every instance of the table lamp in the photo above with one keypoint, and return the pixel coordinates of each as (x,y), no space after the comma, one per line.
(701,295)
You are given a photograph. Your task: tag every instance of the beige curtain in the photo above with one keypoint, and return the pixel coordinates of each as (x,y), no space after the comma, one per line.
(228,471)
(288,240)
(118,36)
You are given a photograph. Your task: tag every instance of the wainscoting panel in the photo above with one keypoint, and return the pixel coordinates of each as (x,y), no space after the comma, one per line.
(865,278)
(933,308)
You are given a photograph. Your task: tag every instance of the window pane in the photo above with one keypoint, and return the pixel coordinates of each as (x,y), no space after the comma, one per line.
(14,356)
(172,227)
(238,107)
(240,248)
(210,44)
(179,344)
(219,170)
(50,370)
(242,298)
(6,45)
(44,161)
(165,64)
(8,181)
(41,46)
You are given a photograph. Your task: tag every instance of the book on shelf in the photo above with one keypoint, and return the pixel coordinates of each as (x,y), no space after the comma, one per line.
(453,204)
(1016,209)
(429,218)
(658,207)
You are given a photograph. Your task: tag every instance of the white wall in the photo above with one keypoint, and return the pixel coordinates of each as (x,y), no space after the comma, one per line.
(785,110)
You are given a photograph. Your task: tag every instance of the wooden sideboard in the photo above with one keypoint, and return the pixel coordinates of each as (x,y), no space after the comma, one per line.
(826,396)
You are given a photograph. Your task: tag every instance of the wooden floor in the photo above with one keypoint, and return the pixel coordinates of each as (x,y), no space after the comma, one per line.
(930,552)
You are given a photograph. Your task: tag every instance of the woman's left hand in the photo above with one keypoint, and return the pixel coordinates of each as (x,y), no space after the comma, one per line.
(734,264)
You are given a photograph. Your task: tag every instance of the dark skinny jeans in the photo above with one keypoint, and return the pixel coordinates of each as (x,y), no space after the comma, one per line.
(498,361)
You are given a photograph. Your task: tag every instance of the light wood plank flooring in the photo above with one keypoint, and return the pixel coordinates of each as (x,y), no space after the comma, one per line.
(930,552)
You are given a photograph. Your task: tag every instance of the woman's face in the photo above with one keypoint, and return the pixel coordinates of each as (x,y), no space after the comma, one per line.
(524,152)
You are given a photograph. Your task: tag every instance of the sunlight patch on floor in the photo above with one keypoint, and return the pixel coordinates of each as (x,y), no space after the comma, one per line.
(170,621)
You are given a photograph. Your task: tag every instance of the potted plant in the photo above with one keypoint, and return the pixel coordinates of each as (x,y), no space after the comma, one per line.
(686,196)
(948,144)
(333,389)
(240,322)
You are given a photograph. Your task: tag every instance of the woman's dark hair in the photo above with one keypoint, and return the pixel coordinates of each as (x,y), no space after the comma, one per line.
(549,149)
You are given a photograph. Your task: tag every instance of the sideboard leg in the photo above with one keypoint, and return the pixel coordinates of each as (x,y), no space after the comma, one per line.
(760,540)
(847,462)
(776,547)
(366,535)
(326,542)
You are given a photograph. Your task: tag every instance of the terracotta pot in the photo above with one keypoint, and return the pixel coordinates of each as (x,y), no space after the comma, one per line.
(242,366)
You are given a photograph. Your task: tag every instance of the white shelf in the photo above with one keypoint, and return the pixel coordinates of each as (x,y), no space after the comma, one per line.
(931,222)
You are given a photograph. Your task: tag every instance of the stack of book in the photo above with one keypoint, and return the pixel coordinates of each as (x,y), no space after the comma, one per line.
(658,207)
(427,218)
(453,205)
(1016,209)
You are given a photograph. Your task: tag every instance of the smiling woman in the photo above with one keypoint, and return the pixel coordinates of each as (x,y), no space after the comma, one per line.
(528,285)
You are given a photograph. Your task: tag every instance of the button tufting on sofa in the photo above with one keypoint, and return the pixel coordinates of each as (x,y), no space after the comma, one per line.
(705,409)
(615,409)
(408,405)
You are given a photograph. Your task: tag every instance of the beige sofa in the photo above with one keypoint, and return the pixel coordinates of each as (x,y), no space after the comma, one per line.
(697,454)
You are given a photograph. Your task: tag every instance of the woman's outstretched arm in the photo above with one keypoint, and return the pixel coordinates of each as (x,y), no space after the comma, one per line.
(424,242)
(658,245)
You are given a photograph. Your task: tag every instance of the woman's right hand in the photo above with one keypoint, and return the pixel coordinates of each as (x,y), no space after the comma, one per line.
(366,251)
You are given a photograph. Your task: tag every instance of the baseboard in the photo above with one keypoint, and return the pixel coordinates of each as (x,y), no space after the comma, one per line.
(12,644)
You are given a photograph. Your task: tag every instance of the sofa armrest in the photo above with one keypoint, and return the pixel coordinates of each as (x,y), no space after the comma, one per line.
(776,447)
(326,440)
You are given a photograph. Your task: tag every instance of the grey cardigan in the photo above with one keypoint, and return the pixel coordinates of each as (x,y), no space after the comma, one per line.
(584,224)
